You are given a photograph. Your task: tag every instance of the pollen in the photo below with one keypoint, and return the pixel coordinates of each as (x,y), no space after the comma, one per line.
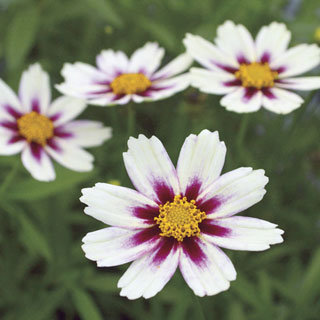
(130,83)
(256,75)
(179,218)
(35,127)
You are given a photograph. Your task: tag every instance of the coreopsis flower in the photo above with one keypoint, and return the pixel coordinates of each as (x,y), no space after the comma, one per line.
(118,79)
(253,73)
(178,217)
(41,129)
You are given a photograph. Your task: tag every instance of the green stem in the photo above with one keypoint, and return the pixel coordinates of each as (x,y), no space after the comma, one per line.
(131,120)
(242,130)
(200,312)
(9,178)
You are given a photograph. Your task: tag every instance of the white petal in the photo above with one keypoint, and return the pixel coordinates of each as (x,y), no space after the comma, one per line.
(8,99)
(235,191)
(272,40)
(281,101)
(115,205)
(207,54)
(66,109)
(246,234)
(307,83)
(86,133)
(236,40)
(297,60)
(239,101)
(200,161)
(150,168)
(38,163)
(6,146)
(148,275)
(208,273)
(146,59)
(34,89)
(176,66)
(212,82)
(114,246)
(70,156)
(112,62)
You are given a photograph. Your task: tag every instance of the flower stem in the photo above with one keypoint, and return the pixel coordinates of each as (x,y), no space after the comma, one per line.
(9,178)
(200,312)
(131,120)
(242,130)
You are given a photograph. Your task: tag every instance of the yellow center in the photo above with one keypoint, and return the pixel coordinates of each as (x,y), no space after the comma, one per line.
(35,128)
(179,218)
(257,75)
(130,83)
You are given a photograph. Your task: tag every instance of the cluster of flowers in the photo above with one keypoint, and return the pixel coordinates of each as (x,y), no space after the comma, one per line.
(178,216)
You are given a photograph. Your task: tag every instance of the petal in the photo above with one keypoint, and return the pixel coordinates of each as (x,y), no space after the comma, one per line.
(272,41)
(234,192)
(112,62)
(70,156)
(146,59)
(236,40)
(86,133)
(117,206)
(297,60)
(34,89)
(244,233)
(37,162)
(176,66)
(150,169)
(115,246)
(64,109)
(207,54)
(200,162)
(10,144)
(281,101)
(205,268)
(212,82)
(307,83)
(148,275)
(8,99)
(242,100)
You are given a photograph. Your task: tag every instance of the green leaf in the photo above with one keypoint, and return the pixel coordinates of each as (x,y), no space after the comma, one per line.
(105,283)
(85,305)
(21,35)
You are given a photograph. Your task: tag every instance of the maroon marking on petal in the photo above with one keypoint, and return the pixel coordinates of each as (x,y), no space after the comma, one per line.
(192,249)
(165,246)
(36,150)
(53,144)
(210,205)
(147,213)
(147,234)
(15,139)
(209,227)
(265,58)
(226,68)
(35,106)
(61,133)
(117,97)
(14,113)
(164,192)
(249,93)
(243,60)
(55,117)
(280,70)
(9,125)
(232,83)
(103,91)
(268,93)
(192,190)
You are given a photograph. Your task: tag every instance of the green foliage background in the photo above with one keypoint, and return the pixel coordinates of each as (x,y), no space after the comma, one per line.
(43,272)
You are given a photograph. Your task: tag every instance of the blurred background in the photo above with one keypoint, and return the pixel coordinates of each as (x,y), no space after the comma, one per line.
(43,271)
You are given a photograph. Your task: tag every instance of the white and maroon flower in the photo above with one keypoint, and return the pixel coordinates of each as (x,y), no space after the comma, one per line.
(118,79)
(253,73)
(40,129)
(177,217)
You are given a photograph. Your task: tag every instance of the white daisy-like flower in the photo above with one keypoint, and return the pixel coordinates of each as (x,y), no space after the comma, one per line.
(41,129)
(253,73)
(178,217)
(118,79)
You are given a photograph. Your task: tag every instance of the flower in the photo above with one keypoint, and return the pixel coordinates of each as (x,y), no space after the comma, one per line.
(177,217)
(118,79)
(40,129)
(252,73)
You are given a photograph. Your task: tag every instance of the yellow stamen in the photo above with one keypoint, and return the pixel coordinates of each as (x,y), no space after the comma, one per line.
(35,127)
(257,75)
(130,83)
(179,218)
